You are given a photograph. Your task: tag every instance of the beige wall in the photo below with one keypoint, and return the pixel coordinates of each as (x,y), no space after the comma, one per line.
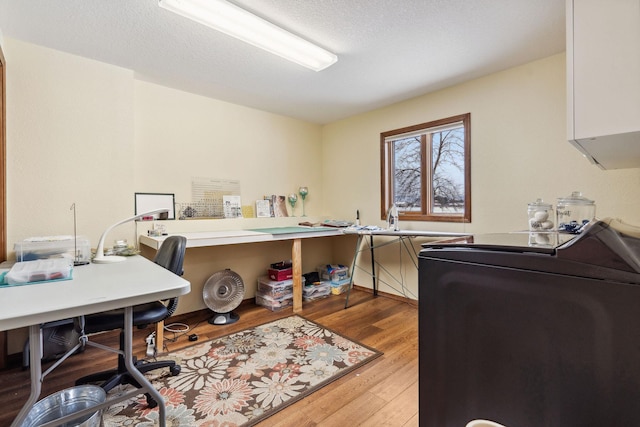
(519,152)
(69,140)
(179,135)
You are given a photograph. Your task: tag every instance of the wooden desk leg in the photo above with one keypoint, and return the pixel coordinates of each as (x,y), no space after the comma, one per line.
(296,258)
(160,337)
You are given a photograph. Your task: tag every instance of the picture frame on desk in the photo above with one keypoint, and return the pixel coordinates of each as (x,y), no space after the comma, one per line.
(145,202)
(263,208)
(279,204)
(232,206)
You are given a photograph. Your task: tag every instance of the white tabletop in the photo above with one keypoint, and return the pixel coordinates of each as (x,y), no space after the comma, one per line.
(94,288)
(231,237)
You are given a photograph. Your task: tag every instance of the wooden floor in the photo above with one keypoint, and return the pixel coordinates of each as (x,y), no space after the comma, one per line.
(384,392)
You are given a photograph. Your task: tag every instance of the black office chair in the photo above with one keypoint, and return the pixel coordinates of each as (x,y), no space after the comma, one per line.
(170,256)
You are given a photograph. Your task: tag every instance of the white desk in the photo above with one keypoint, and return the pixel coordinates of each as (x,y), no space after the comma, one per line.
(94,288)
(216,238)
(400,236)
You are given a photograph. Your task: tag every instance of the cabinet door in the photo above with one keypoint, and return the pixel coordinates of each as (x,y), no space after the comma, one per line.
(603,55)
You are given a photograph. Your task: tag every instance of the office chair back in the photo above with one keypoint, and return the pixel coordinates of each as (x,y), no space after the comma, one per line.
(171,256)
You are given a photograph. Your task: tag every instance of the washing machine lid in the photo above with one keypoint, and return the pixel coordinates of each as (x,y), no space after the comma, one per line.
(609,243)
(545,243)
(603,249)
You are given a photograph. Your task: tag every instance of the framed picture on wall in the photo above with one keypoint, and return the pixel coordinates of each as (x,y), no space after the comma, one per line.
(145,202)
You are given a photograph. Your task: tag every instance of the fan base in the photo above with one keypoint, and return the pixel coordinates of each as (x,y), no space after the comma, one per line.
(224,318)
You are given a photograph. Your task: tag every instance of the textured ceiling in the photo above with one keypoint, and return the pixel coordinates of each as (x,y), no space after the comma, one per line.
(388,50)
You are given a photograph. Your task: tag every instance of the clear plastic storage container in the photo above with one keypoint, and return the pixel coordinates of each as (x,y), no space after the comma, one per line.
(275,288)
(340,286)
(333,272)
(316,291)
(76,249)
(274,304)
(39,270)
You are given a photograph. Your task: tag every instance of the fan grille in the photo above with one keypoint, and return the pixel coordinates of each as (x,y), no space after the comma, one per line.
(223,291)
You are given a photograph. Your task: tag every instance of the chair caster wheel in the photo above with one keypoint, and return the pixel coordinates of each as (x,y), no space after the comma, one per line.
(151,402)
(175,370)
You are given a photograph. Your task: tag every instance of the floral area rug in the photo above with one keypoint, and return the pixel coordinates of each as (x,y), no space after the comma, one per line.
(243,378)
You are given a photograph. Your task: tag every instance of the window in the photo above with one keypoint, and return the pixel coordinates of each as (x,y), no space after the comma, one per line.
(425,170)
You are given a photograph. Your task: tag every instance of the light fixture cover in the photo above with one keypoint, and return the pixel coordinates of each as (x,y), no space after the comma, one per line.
(241,24)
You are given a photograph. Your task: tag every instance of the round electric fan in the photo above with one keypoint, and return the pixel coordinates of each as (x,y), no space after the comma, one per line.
(222,293)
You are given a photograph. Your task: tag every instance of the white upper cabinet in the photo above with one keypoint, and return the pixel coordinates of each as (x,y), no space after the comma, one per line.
(603,84)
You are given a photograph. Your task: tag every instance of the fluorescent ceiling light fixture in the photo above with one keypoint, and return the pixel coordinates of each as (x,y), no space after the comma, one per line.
(237,22)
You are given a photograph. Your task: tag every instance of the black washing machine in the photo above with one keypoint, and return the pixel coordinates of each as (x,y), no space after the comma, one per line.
(531,330)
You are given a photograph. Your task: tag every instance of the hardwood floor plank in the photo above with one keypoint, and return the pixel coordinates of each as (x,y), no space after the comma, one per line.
(360,408)
(382,392)
(412,422)
(402,379)
(398,411)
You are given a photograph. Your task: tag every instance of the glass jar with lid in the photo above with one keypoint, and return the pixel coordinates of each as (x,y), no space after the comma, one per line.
(540,216)
(574,212)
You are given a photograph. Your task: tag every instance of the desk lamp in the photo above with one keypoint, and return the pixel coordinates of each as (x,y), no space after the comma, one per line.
(100,257)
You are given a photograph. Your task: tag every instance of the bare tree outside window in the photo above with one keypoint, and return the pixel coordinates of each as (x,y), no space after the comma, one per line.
(425,170)
(448,170)
(407,173)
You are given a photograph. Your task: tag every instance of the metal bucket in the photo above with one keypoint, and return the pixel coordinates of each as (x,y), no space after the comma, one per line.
(66,402)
